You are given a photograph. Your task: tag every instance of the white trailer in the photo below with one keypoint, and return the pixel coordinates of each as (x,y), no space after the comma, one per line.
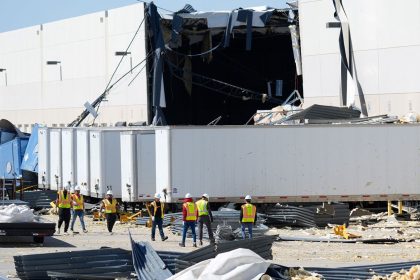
(82,161)
(55,170)
(290,163)
(68,156)
(138,174)
(44,179)
(105,162)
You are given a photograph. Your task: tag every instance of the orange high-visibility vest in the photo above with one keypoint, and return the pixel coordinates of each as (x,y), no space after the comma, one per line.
(110,207)
(162,205)
(64,202)
(80,202)
(190,207)
(248,213)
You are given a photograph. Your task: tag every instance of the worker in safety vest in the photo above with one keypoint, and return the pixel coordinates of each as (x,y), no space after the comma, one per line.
(205,217)
(110,205)
(248,216)
(189,216)
(78,209)
(63,202)
(158,212)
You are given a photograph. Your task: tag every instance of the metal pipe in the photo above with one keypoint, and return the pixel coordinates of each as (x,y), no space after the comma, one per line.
(389,208)
(400,207)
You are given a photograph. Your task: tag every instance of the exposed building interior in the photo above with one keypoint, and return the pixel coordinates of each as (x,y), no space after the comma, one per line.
(207,79)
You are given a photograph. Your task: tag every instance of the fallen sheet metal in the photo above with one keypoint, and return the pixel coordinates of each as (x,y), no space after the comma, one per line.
(39,198)
(307,216)
(333,240)
(259,245)
(87,264)
(147,263)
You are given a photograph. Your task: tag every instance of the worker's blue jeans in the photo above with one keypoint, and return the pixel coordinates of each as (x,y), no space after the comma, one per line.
(184,232)
(157,222)
(249,226)
(80,214)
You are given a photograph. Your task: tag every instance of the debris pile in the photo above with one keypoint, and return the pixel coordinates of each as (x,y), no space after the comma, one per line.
(178,262)
(412,274)
(16,214)
(308,216)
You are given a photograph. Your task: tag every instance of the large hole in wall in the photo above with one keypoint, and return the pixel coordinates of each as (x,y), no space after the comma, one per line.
(270,59)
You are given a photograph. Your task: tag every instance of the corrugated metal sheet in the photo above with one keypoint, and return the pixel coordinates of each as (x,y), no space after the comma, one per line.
(307,216)
(147,263)
(87,264)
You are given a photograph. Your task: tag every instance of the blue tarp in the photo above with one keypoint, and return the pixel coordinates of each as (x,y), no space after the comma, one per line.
(30,159)
(11,155)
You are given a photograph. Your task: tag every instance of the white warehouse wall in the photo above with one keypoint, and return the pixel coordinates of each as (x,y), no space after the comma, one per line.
(387,53)
(86,47)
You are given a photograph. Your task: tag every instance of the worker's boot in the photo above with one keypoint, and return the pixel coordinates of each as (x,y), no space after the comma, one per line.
(201,242)
(195,244)
(153,239)
(182,244)
(164,238)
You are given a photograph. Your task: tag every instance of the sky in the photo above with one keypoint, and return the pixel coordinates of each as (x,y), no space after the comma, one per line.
(15,14)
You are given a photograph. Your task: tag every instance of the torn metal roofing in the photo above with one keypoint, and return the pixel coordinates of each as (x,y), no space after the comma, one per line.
(325,112)
(307,216)
(147,263)
(87,264)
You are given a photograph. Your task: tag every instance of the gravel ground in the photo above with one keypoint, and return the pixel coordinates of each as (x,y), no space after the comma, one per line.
(293,253)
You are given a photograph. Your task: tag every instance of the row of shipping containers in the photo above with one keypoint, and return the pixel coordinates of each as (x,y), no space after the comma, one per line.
(272,163)
(98,160)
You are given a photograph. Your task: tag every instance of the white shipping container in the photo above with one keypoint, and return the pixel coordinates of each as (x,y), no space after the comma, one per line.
(138,181)
(68,156)
(105,162)
(290,163)
(44,179)
(55,170)
(82,159)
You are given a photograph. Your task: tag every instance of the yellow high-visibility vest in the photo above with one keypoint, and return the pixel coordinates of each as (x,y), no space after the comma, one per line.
(162,205)
(202,207)
(248,213)
(190,207)
(80,202)
(110,207)
(64,201)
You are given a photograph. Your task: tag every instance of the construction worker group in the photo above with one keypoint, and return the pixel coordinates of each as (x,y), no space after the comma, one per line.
(199,212)
(71,205)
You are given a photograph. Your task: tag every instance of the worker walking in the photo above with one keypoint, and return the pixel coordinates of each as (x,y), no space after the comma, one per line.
(205,217)
(248,216)
(78,209)
(64,204)
(110,205)
(189,217)
(158,213)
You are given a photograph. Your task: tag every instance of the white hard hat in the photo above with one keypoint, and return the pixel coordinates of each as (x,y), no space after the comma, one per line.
(109,193)
(77,188)
(157,195)
(205,195)
(248,197)
(188,195)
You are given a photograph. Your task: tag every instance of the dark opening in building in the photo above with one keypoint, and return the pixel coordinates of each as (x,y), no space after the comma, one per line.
(203,80)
